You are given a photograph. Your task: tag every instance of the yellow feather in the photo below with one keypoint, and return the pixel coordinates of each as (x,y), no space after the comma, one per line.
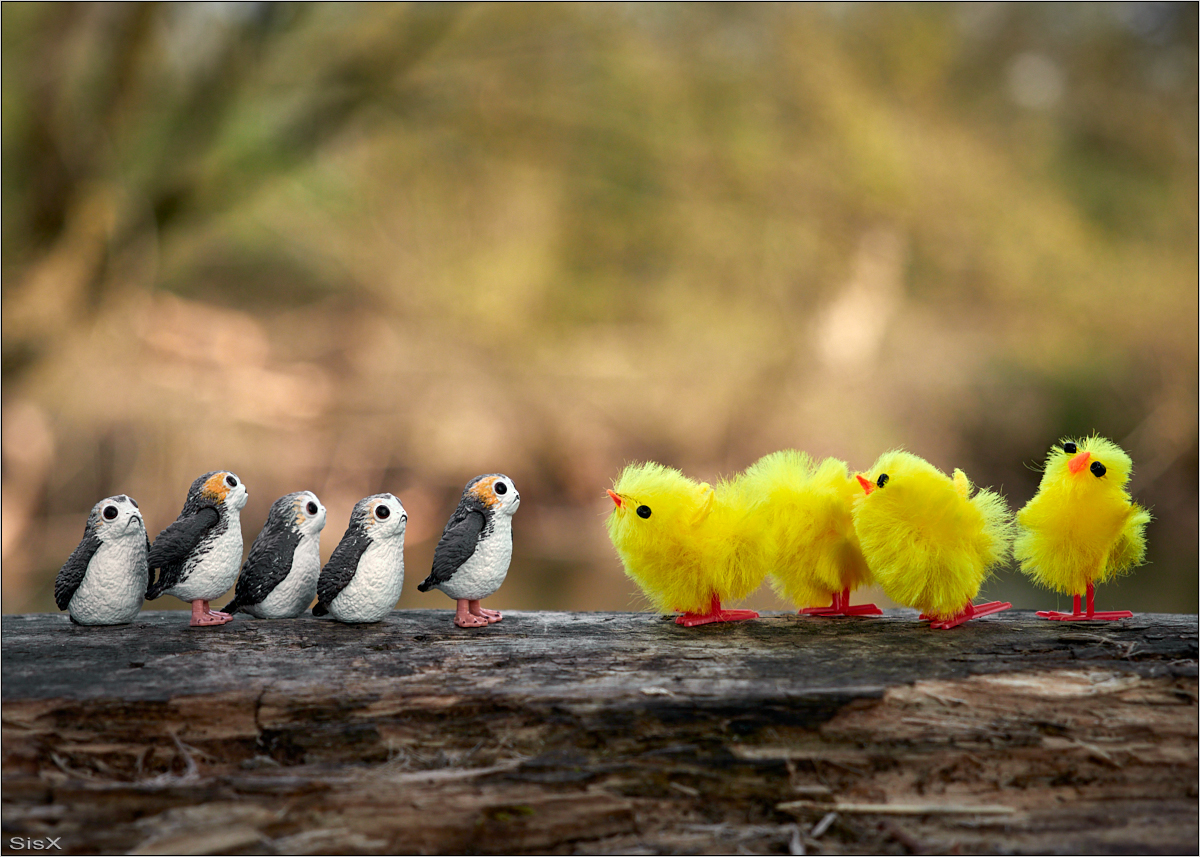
(697,542)
(929,544)
(1081,528)
(809,545)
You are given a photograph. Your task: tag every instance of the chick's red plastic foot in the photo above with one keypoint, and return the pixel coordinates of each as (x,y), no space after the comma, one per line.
(857,609)
(202,616)
(715,614)
(841,607)
(1089,615)
(832,610)
(464,618)
(971,611)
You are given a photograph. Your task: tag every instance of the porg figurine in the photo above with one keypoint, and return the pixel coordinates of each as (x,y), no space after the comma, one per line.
(198,555)
(363,577)
(104,580)
(471,559)
(279,577)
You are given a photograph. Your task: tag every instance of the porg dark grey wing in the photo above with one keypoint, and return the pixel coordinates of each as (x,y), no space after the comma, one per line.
(455,547)
(73,570)
(339,571)
(175,544)
(268,564)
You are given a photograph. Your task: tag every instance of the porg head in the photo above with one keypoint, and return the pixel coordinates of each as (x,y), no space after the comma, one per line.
(116,517)
(494,492)
(1088,467)
(219,489)
(308,513)
(300,511)
(380,516)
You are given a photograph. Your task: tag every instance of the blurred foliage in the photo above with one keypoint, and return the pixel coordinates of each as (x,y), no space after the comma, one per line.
(372,247)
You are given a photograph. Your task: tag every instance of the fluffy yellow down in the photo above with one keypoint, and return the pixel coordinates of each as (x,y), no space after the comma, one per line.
(929,543)
(809,544)
(1081,528)
(698,541)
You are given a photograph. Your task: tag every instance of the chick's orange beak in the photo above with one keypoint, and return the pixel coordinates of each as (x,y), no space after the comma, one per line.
(1079,461)
(867,485)
(616,498)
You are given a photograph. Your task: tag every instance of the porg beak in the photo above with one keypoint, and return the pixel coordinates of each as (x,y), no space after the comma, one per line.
(616,498)
(1079,462)
(867,485)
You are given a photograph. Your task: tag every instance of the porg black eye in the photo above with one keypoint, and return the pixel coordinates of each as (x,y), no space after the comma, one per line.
(882,480)
(230,481)
(110,512)
(1098,469)
(1070,448)
(500,488)
(311,508)
(643,511)
(382,512)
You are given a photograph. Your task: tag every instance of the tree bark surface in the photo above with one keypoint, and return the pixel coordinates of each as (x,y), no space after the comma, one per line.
(601,732)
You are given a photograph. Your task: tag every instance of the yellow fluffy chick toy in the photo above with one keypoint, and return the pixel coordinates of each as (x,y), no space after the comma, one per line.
(929,543)
(1082,528)
(689,546)
(809,544)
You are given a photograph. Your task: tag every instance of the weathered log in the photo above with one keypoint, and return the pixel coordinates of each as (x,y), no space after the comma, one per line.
(598,732)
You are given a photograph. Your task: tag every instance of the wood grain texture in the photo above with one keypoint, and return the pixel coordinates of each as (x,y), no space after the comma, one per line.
(602,732)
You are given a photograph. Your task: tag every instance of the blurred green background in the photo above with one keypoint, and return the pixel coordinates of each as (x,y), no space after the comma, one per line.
(360,248)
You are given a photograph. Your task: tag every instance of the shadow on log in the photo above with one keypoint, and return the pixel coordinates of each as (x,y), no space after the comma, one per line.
(601,732)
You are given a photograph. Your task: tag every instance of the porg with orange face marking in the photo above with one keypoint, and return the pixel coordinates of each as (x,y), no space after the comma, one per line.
(198,556)
(471,559)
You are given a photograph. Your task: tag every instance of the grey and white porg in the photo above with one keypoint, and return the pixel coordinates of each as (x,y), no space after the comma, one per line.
(365,573)
(279,577)
(198,556)
(104,580)
(472,557)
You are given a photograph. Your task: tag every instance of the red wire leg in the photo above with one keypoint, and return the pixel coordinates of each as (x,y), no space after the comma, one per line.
(1090,615)
(715,614)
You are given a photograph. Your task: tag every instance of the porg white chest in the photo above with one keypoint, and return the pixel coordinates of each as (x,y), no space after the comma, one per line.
(372,592)
(210,574)
(293,595)
(114,585)
(485,570)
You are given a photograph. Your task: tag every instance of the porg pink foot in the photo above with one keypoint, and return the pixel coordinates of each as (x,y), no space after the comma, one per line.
(492,616)
(470,615)
(202,615)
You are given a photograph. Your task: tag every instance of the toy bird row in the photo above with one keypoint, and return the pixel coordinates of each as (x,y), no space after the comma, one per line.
(111,572)
(816,530)
(820,533)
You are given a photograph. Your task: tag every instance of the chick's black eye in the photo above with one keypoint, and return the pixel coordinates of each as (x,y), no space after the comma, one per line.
(643,511)
(311,507)
(500,488)
(110,512)
(382,512)
(1098,469)
(1070,448)
(882,480)
(230,481)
